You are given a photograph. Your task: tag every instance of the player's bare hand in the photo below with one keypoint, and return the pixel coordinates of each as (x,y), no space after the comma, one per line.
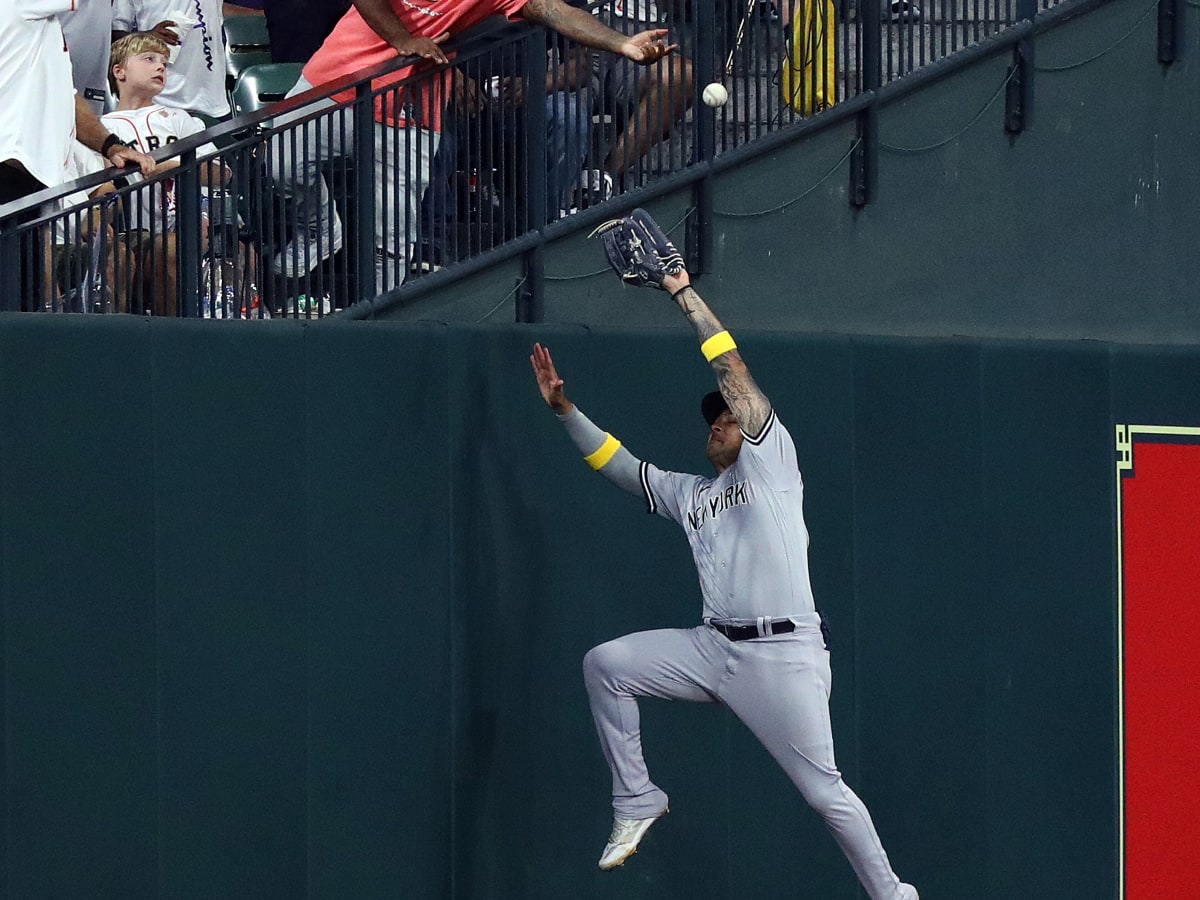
(675,283)
(548,381)
(167,30)
(648,47)
(426,48)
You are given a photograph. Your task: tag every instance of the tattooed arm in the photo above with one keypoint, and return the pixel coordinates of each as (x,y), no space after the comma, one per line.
(747,402)
(580,25)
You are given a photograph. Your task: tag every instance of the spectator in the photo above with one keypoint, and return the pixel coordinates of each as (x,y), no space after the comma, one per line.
(137,76)
(646,102)
(80,274)
(42,118)
(196,79)
(407,127)
(88,31)
(499,142)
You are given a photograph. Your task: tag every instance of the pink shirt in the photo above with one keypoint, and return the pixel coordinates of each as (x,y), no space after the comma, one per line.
(354,46)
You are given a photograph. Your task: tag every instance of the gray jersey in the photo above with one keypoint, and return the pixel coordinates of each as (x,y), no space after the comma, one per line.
(746,528)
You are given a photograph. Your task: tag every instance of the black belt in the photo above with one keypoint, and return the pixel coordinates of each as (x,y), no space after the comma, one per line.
(770,626)
(746,632)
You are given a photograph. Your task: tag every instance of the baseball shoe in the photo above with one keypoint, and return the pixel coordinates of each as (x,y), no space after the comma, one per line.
(624,840)
(908,892)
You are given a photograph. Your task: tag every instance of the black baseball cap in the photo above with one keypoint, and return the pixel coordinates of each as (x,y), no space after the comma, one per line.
(712,406)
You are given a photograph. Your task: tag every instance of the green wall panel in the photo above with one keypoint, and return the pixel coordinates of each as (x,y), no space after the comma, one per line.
(376,557)
(228,477)
(79,615)
(920,616)
(1047,456)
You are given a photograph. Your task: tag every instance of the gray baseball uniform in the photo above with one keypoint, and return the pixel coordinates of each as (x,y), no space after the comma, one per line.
(750,544)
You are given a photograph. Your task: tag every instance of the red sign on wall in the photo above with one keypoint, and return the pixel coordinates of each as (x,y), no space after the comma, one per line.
(1158,528)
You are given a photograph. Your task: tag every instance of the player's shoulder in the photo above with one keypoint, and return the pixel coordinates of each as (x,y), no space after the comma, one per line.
(770,424)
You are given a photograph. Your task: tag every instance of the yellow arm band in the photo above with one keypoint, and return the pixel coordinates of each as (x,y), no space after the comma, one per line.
(607,451)
(717,344)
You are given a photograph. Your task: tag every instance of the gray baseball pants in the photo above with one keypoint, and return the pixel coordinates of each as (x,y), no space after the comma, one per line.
(778,686)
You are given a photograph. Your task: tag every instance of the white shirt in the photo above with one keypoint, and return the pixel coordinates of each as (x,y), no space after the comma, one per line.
(196,79)
(148,129)
(88,31)
(83,161)
(38,124)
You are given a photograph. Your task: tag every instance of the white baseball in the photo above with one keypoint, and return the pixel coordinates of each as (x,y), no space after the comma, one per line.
(715,94)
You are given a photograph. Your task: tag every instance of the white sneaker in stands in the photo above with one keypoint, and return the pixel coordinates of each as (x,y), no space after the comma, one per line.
(310,246)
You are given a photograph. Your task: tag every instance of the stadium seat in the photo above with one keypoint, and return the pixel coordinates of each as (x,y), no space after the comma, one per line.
(246,44)
(260,85)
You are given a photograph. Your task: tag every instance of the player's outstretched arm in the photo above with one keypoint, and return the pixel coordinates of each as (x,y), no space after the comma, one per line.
(746,400)
(600,450)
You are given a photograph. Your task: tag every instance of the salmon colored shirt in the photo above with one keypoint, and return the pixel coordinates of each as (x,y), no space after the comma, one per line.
(353,46)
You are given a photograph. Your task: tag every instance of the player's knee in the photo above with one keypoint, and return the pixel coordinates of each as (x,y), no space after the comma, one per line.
(602,662)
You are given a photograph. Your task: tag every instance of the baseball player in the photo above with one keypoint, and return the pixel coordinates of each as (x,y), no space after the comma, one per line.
(761,649)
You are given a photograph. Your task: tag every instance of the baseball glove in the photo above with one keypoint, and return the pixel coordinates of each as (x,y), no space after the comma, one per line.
(638,250)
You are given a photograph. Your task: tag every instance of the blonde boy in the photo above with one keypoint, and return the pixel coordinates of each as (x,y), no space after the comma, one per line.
(137,75)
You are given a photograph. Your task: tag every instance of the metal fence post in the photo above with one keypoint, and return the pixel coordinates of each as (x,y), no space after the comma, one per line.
(531,307)
(187,233)
(1169,22)
(364,191)
(536,95)
(864,161)
(10,265)
(1018,100)
(700,232)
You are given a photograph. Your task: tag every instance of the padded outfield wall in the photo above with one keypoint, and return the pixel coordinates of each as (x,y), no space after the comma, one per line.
(299,611)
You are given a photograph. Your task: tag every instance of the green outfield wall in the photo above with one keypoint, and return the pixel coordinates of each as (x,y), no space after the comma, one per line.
(298,611)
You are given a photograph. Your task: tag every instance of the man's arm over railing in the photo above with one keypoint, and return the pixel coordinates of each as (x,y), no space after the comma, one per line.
(645,47)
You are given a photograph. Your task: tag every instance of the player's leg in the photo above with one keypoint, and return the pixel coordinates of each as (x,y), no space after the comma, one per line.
(672,664)
(781,692)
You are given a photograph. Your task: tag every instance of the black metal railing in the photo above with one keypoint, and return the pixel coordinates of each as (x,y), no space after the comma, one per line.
(351,190)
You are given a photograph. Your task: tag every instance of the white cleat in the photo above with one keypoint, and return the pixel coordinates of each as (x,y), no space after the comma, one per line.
(624,840)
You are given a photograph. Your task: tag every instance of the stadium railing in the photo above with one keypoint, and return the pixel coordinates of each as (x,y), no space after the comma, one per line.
(219,240)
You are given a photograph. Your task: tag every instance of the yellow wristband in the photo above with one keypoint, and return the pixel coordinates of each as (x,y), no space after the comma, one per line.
(717,344)
(600,458)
